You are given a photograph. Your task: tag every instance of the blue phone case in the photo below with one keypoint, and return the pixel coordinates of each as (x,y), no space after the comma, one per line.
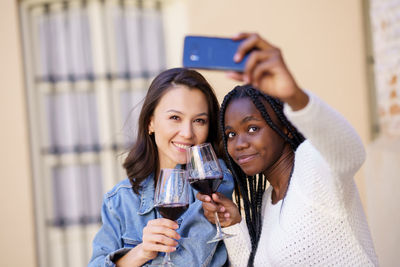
(201,52)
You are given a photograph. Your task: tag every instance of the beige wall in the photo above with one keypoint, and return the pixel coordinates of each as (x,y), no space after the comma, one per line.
(17,244)
(322,41)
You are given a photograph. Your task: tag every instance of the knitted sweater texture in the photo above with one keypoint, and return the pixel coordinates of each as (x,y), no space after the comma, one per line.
(321,221)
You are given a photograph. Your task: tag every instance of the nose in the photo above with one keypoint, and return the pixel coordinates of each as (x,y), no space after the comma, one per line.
(241,142)
(186,130)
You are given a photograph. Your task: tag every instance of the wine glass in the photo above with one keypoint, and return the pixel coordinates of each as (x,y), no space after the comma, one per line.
(171,198)
(205,175)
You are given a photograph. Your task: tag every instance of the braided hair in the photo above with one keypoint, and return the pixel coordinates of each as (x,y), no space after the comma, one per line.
(251,188)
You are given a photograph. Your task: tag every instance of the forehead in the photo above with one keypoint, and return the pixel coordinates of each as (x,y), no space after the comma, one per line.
(238,109)
(183,99)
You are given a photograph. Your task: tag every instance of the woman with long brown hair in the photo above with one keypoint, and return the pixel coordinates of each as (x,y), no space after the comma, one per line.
(180,110)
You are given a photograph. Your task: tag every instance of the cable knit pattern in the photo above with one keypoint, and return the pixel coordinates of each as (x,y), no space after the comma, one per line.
(321,221)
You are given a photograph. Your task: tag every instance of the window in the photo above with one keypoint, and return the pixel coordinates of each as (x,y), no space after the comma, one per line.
(88,65)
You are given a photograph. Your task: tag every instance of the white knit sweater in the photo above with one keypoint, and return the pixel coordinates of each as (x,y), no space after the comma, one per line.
(321,220)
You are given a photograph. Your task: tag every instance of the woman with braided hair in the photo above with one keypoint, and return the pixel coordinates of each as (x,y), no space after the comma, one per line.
(275,132)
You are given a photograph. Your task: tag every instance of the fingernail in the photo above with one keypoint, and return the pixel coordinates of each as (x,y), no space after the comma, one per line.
(226,215)
(246,79)
(222,209)
(236,57)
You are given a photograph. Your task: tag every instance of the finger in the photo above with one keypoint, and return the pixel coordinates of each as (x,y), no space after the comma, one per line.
(210,217)
(261,70)
(241,36)
(158,247)
(254,59)
(156,229)
(221,199)
(163,222)
(210,207)
(203,198)
(224,220)
(217,196)
(253,41)
(221,215)
(160,239)
(235,75)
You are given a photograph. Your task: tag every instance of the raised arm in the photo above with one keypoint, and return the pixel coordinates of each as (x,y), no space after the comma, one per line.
(331,134)
(326,129)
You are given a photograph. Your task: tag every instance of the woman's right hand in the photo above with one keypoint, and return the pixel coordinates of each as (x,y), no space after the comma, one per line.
(158,236)
(228,212)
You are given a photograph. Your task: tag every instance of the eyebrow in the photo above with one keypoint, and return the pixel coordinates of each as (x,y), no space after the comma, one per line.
(250,118)
(246,119)
(179,112)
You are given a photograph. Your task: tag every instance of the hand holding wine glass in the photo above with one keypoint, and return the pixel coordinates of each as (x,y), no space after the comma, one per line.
(227,210)
(205,175)
(171,198)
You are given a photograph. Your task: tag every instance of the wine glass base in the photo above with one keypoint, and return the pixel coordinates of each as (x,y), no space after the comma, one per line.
(219,237)
(163,264)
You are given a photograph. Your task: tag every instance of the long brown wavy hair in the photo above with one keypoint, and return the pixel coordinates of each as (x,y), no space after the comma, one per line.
(142,159)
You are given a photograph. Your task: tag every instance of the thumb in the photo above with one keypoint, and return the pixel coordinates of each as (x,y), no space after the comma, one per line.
(220,198)
(203,198)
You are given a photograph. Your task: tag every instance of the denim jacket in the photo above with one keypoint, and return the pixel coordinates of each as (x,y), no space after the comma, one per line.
(125,214)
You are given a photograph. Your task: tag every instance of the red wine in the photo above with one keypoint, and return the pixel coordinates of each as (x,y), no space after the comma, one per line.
(207,185)
(172,211)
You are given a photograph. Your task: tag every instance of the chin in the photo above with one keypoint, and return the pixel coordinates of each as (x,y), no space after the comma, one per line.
(182,161)
(250,171)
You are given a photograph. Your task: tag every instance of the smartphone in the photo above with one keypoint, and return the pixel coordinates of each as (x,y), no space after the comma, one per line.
(213,53)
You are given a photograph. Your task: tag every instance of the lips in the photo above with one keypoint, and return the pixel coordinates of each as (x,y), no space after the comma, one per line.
(243,159)
(181,146)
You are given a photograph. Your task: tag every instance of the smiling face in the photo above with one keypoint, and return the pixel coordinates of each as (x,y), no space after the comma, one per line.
(252,144)
(180,120)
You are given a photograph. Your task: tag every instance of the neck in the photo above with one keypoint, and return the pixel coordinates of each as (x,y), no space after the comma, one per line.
(278,174)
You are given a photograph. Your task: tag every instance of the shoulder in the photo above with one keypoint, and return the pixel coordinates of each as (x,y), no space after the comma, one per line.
(120,197)
(228,182)
(121,194)
(223,165)
(306,150)
(119,188)
(224,168)
(310,163)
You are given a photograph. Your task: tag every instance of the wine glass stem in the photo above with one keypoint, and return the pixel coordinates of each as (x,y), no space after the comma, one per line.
(217,223)
(167,258)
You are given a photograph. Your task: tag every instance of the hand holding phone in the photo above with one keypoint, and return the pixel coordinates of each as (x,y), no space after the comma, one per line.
(214,53)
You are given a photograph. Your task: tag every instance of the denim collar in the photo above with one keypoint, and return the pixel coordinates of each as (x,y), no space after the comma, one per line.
(147,193)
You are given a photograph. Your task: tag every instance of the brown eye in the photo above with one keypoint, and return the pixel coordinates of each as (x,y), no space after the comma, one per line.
(174,117)
(200,121)
(253,129)
(230,135)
